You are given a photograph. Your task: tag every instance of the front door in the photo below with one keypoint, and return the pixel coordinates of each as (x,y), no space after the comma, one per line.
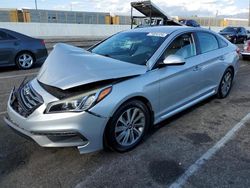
(178,83)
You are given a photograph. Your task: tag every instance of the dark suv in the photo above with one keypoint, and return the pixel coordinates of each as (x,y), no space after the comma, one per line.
(234,34)
(191,23)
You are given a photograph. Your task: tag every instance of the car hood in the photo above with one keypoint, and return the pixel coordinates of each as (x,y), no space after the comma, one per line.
(68,66)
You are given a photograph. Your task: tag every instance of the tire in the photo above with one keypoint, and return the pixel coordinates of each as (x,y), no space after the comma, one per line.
(225,84)
(123,135)
(24,60)
(244,57)
(244,40)
(235,40)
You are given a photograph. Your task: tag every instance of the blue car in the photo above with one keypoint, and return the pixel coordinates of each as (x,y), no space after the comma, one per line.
(20,50)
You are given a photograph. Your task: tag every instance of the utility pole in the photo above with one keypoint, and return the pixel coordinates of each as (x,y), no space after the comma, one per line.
(249,14)
(36,4)
(71,6)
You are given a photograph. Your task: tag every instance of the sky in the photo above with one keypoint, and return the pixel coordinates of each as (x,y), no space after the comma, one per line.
(122,7)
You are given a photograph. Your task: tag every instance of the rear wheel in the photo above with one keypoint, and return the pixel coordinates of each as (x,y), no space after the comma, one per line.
(244,40)
(245,57)
(225,84)
(24,60)
(128,126)
(235,40)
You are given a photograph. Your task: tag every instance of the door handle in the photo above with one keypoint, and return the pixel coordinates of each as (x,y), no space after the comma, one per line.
(196,68)
(221,58)
(16,43)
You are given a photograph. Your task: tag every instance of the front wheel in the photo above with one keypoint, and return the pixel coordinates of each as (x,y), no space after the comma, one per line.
(128,126)
(225,84)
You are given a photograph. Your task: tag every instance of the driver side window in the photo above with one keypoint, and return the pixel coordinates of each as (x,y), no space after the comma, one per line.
(183,46)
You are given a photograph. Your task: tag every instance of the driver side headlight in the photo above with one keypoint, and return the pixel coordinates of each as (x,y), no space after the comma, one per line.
(78,103)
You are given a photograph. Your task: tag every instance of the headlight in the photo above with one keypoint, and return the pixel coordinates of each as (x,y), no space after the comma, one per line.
(78,103)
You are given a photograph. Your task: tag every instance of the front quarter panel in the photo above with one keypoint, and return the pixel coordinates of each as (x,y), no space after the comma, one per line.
(146,85)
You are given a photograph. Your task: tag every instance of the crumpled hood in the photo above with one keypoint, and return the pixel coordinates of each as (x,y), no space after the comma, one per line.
(68,66)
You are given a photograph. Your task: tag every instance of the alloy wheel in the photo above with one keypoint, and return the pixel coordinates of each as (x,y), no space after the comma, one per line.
(25,61)
(130,126)
(226,83)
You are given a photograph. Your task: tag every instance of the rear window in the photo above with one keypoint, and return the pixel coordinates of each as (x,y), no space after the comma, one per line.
(222,43)
(208,42)
(5,36)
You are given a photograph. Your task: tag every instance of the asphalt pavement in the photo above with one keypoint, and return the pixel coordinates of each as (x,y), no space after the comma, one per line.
(161,160)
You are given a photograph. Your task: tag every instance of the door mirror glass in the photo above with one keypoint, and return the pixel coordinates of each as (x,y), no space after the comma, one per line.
(174,60)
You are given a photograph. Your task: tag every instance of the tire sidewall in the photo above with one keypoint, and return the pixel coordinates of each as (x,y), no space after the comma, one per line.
(235,40)
(109,136)
(17,60)
(219,93)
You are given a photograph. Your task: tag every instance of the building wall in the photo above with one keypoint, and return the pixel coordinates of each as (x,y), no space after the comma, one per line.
(5,16)
(53,16)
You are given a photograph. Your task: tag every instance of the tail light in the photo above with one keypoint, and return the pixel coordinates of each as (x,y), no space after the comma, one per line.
(247,45)
(43,42)
(238,51)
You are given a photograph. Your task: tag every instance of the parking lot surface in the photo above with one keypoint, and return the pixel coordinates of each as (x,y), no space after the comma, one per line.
(163,157)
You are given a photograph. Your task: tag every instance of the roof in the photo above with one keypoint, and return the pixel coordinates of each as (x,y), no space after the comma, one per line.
(163,29)
(168,29)
(149,9)
(15,34)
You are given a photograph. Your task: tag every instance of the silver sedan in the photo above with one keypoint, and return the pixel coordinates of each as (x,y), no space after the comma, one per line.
(113,93)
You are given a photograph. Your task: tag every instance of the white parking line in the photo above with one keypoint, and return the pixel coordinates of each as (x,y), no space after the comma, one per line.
(19,75)
(1,113)
(209,154)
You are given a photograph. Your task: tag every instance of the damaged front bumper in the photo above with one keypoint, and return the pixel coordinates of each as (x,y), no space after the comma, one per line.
(83,130)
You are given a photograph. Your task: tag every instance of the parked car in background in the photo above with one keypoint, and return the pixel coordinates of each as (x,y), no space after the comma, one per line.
(110,95)
(248,34)
(246,51)
(20,50)
(191,23)
(235,34)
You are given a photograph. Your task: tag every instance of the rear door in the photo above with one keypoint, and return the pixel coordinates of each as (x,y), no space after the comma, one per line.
(211,56)
(8,48)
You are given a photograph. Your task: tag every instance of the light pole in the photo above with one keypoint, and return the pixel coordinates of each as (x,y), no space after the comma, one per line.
(249,14)
(36,4)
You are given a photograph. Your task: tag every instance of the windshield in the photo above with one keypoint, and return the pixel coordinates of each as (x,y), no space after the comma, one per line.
(132,47)
(230,29)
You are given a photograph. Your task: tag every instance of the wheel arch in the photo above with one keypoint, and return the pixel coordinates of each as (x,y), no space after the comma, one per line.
(26,51)
(139,98)
(232,68)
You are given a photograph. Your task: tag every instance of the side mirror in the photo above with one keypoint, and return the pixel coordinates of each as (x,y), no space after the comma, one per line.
(174,60)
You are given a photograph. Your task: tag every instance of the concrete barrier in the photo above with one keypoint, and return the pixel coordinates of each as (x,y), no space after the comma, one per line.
(57,30)
(52,30)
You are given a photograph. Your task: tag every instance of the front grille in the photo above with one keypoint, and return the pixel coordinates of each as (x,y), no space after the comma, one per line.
(25,100)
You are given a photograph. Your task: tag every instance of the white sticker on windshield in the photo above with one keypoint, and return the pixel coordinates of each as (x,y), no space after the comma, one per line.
(157,34)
